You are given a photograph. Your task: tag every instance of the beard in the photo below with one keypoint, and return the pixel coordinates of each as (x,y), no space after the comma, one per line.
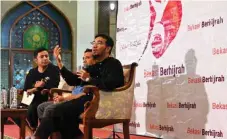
(95,56)
(99,54)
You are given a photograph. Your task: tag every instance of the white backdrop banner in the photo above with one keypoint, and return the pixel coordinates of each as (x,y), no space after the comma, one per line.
(181,49)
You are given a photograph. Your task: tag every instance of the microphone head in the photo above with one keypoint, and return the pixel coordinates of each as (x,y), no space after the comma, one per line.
(85,67)
(46,79)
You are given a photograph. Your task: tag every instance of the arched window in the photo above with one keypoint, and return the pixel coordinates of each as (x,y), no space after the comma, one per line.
(27,26)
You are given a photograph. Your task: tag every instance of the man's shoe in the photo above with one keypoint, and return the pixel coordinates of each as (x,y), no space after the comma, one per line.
(32,129)
(28,137)
(31,137)
(29,131)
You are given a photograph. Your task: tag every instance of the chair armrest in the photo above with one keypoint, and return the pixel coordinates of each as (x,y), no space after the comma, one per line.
(91,107)
(121,88)
(59,91)
(91,89)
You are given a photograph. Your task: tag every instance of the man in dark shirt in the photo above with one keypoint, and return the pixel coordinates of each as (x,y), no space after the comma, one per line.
(106,74)
(38,81)
(43,108)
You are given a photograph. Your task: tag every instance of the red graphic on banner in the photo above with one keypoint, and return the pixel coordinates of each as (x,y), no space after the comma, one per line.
(219,51)
(219,106)
(163,31)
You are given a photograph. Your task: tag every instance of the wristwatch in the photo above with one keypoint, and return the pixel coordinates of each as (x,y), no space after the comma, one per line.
(87,79)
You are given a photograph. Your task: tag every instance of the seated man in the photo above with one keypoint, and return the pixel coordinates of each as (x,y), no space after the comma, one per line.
(87,61)
(38,81)
(106,74)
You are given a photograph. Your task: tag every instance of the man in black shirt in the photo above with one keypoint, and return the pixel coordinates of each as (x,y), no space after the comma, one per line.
(106,74)
(38,81)
(43,108)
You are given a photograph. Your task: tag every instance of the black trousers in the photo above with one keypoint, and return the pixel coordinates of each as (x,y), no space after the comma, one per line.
(32,115)
(64,117)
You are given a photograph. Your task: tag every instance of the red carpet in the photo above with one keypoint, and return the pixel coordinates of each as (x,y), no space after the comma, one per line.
(12,132)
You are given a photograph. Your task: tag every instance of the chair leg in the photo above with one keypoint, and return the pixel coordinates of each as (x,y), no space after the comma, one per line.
(126,130)
(87,132)
(113,133)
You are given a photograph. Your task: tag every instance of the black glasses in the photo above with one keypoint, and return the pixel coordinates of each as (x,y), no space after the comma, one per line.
(97,43)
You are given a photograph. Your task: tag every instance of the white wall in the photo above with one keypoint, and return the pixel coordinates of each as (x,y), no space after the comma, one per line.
(69,8)
(86,26)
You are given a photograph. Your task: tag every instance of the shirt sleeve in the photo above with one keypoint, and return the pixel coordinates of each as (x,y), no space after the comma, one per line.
(111,78)
(70,78)
(28,81)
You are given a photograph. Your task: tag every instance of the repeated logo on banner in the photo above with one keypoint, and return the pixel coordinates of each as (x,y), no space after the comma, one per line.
(181,49)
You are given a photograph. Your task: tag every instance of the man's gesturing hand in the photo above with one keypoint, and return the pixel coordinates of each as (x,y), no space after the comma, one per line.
(83,75)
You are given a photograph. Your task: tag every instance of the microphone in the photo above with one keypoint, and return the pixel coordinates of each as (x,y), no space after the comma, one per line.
(46,79)
(84,67)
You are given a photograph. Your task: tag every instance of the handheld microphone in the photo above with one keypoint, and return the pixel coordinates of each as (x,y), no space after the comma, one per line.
(84,67)
(46,79)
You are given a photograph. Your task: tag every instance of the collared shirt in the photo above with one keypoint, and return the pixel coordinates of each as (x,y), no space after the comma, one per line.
(77,90)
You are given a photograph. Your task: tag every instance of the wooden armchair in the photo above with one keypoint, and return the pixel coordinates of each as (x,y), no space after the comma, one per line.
(107,108)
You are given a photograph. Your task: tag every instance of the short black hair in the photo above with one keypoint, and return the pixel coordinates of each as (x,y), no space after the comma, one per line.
(38,50)
(109,40)
(88,50)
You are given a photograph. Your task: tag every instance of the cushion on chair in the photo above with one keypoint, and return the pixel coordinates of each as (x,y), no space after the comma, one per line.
(63,85)
(117,104)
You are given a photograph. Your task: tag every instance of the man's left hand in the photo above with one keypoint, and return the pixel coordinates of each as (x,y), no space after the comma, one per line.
(58,98)
(45,91)
(83,75)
